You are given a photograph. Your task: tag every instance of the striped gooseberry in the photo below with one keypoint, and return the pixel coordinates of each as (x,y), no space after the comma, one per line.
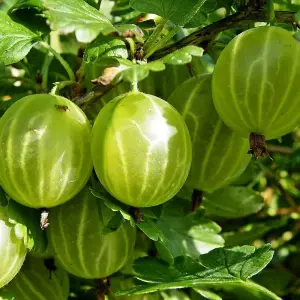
(141,149)
(255,84)
(34,283)
(45,150)
(219,154)
(12,249)
(76,235)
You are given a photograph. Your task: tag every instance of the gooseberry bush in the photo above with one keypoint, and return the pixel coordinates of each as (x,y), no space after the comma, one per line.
(149,149)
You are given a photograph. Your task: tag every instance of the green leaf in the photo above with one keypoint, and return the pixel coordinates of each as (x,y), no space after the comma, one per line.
(154,270)
(247,290)
(187,265)
(15,40)
(183,56)
(191,235)
(150,228)
(174,295)
(211,11)
(239,262)
(99,192)
(199,19)
(233,202)
(297,20)
(243,291)
(123,11)
(86,35)
(74,15)
(180,205)
(7,295)
(105,46)
(114,224)
(94,3)
(176,235)
(179,12)
(27,226)
(28,13)
(153,212)
(206,294)
(220,268)
(286,5)
(5,5)
(138,72)
(32,20)
(21,4)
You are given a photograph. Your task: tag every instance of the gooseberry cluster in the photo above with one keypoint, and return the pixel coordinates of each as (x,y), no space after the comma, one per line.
(143,150)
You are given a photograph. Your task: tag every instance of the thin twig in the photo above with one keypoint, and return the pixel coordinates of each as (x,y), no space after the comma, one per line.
(280,149)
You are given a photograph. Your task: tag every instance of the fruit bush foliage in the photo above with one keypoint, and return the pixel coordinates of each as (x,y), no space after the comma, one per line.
(230,232)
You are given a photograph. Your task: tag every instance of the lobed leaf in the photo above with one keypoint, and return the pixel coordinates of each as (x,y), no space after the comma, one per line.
(220,267)
(124,11)
(75,15)
(94,3)
(174,295)
(99,192)
(239,262)
(21,4)
(179,12)
(7,5)
(190,235)
(15,40)
(183,56)
(207,294)
(150,228)
(151,269)
(105,46)
(138,72)
(233,202)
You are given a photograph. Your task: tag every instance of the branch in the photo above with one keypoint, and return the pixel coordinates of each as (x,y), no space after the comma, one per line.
(280,149)
(204,35)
